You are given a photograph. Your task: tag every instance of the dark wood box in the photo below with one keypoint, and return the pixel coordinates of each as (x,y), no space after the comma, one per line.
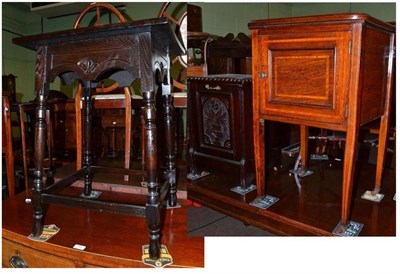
(220,120)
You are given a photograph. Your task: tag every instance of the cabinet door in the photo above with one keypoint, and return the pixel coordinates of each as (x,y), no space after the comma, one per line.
(304,74)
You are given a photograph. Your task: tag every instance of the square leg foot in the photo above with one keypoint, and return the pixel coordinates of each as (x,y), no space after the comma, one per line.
(195,176)
(350,230)
(370,196)
(94,194)
(242,191)
(164,260)
(301,172)
(264,202)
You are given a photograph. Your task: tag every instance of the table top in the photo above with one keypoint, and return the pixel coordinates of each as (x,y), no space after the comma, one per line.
(158,27)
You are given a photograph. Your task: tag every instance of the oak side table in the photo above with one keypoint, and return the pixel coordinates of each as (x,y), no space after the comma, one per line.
(122,52)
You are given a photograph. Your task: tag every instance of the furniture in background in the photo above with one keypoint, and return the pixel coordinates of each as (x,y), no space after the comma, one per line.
(107,102)
(106,99)
(327,71)
(90,55)
(197,41)
(7,145)
(9,90)
(10,120)
(9,87)
(229,54)
(64,127)
(221,127)
(188,27)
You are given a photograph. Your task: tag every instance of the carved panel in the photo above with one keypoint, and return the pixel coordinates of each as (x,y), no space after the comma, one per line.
(216,129)
(88,65)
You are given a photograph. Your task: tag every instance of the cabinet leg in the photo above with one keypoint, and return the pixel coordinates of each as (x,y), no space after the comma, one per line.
(259,155)
(153,198)
(380,161)
(346,227)
(384,125)
(348,173)
(302,171)
(374,195)
(304,146)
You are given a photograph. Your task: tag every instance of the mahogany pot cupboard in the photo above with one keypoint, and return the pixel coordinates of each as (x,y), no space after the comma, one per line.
(327,71)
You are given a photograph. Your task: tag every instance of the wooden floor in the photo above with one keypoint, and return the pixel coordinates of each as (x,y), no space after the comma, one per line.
(114,240)
(115,182)
(311,208)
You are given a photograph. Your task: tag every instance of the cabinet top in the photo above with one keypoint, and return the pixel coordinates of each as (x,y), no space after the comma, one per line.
(325,18)
(158,27)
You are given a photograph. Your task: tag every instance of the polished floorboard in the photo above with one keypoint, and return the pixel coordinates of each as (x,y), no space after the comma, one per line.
(309,207)
(106,234)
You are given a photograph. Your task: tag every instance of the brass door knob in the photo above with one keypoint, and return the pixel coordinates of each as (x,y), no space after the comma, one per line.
(262,75)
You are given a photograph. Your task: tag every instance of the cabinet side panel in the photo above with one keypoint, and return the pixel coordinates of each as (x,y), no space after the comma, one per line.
(375,51)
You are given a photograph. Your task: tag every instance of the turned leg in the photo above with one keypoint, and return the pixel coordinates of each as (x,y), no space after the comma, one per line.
(170,150)
(153,199)
(40,142)
(143,143)
(87,139)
